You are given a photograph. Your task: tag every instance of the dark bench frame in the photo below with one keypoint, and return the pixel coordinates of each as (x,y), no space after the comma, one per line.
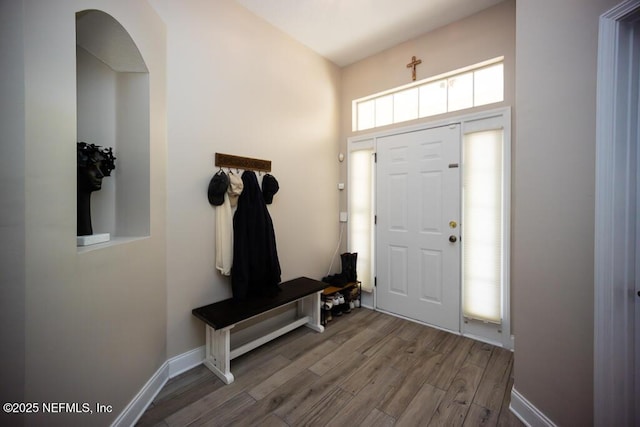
(221,317)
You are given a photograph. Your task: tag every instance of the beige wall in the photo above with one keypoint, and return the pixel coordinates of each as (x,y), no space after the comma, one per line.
(552,266)
(238,86)
(94,325)
(12,207)
(94,322)
(485,35)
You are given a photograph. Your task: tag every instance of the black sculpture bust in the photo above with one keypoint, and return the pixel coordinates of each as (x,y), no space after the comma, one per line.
(94,163)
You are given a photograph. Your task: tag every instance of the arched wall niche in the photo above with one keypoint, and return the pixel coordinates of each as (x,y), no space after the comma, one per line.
(113,111)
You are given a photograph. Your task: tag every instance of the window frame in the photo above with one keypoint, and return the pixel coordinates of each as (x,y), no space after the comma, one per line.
(447,78)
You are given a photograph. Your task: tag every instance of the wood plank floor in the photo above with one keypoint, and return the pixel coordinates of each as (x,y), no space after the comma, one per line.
(366,369)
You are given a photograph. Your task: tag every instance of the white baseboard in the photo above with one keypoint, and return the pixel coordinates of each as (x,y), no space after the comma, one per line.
(169,369)
(143,399)
(185,361)
(526,412)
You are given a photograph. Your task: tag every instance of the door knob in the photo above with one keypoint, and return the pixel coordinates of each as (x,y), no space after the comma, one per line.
(453,239)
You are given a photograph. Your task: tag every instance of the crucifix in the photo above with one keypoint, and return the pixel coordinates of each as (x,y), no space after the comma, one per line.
(413,64)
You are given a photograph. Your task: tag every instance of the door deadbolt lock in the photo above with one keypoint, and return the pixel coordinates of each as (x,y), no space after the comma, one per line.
(453,224)
(453,239)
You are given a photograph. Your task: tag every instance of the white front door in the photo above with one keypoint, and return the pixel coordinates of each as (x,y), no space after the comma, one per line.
(418,232)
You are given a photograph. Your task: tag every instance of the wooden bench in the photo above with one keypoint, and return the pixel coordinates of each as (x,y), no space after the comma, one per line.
(222,316)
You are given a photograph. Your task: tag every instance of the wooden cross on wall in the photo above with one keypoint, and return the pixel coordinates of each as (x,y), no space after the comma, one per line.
(413,64)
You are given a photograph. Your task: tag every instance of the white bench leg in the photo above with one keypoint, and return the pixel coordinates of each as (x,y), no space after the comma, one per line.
(217,353)
(310,306)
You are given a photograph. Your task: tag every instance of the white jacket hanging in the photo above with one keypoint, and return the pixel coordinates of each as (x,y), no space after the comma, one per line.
(224,236)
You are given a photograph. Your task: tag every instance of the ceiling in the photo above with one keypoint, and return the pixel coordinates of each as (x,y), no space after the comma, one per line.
(346,31)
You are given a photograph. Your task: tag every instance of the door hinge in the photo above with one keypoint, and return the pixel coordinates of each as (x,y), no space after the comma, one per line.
(375,157)
(375,220)
(375,282)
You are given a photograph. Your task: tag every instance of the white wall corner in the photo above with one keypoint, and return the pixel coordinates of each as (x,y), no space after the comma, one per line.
(527,412)
(169,369)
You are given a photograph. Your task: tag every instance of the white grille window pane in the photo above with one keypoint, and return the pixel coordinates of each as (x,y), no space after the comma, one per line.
(488,85)
(405,105)
(460,93)
(472,87)
(433,98)
(366,115)
(384,110)
(482,219)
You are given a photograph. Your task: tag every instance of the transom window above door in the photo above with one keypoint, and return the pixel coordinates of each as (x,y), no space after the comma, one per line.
(473,86)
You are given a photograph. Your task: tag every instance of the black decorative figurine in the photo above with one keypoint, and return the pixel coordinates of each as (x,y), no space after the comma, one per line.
(94,163)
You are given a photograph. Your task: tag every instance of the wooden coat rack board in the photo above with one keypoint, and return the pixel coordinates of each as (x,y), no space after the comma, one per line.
(245,163)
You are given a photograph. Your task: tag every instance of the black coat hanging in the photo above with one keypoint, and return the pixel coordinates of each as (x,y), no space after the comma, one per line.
(256,268)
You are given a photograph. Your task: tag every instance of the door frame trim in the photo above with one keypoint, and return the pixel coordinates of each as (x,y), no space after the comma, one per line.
(616,210)
(505,340)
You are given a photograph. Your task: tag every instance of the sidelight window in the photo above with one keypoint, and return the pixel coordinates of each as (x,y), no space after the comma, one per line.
(483,220)
(360,205)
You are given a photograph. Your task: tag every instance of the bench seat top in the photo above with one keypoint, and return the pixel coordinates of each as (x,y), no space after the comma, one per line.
(229,312)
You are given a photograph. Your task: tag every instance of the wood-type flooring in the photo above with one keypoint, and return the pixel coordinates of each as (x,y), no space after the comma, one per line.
(367,369)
